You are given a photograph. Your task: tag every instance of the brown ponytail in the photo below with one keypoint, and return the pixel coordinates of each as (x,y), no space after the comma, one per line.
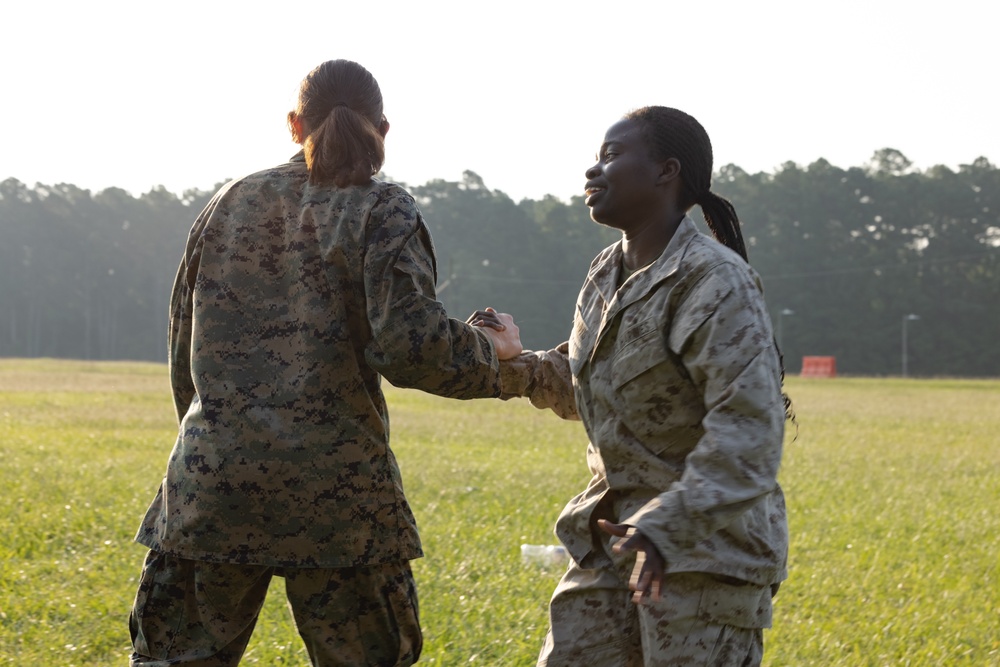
(340,111)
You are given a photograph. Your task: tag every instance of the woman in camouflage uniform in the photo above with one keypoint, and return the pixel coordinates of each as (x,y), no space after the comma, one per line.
(673,370)
(300,286)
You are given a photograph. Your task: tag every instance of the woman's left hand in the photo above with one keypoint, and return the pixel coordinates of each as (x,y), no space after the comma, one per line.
(648,574)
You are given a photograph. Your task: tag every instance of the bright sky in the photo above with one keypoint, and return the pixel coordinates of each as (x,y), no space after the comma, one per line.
(187,94)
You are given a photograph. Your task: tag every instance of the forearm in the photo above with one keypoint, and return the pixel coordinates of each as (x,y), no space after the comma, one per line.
(544,378)
(422,348)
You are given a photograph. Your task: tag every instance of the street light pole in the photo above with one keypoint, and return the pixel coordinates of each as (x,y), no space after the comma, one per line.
(907,318)
(781,317)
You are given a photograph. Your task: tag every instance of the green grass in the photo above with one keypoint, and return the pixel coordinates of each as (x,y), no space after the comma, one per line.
(893,489)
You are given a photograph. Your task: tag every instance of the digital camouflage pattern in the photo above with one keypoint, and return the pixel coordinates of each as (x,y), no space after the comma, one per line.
(677,381)
(290,303)
(352,616)
(699,620)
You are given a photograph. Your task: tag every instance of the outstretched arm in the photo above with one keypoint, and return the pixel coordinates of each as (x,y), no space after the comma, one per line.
(414,342)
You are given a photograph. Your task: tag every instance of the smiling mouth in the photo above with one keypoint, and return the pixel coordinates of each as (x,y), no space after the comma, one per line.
(590,193)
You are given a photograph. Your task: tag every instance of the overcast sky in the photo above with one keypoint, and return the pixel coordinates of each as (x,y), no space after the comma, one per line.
(189,94)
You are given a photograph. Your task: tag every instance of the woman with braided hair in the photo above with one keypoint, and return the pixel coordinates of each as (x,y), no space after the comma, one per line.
(680,539)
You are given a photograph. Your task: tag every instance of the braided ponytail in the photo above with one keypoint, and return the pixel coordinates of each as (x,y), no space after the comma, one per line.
(720,215)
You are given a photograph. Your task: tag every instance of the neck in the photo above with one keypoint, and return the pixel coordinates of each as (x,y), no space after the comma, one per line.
(643,245)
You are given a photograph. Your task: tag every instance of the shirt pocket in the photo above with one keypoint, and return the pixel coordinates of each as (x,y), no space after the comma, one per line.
(640,349)
(653,399)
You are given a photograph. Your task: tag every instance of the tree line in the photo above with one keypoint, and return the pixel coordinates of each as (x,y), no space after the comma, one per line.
(850,258)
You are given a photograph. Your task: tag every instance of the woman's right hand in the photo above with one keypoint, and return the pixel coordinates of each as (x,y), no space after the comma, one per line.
(501,329)
(649,571)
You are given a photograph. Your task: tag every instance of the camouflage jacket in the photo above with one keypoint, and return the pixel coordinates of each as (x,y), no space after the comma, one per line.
(677,381)
(290,303)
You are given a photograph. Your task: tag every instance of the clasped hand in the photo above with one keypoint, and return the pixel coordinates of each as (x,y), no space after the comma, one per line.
(501,329)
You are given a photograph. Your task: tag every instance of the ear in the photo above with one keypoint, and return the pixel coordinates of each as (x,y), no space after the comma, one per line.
(383,127)
(669,171)
(295,127)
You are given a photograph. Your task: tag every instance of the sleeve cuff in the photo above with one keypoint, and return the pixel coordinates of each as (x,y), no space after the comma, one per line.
(515,375)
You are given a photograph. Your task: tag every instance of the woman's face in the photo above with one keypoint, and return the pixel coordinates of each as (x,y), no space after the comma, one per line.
(623,186)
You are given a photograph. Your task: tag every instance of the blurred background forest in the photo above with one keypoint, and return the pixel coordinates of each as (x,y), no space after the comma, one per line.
(846,255)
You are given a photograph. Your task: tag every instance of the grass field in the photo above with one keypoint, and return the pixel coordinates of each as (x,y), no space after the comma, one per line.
(893,489)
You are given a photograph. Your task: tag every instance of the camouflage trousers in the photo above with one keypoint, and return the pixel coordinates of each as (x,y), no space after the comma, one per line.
(700,619)
(201,614)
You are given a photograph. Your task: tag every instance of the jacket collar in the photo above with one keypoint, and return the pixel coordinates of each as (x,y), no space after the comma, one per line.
(604,276)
